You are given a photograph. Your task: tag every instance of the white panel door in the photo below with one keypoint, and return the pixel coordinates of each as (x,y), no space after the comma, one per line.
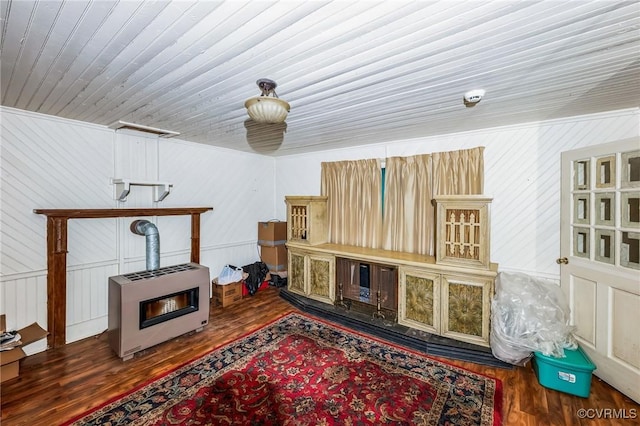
(599,244)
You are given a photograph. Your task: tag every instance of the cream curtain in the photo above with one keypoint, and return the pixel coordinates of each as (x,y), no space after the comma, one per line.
(458,172)
(407,208)
(354,206)
(411,184)
(354,193)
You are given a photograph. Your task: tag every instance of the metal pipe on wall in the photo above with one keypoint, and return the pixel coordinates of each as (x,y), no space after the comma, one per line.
(152,241)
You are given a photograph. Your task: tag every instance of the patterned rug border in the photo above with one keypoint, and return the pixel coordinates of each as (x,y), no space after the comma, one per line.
(497,389)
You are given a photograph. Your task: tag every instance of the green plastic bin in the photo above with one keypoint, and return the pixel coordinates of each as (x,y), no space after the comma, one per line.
(571,374)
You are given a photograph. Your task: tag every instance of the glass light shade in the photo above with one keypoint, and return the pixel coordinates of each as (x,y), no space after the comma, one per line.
(265,109)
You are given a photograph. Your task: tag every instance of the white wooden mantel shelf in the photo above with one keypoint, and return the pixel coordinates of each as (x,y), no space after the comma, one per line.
(123,186)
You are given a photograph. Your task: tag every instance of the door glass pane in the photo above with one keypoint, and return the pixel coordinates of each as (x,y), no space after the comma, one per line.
(604,246)
(581,174)
(631,169)
(581,242)
(631,209)
(606,172)
(581,208)
(605,209)
(630,250)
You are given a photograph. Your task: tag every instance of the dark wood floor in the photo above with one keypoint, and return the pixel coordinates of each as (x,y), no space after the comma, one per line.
(61,383)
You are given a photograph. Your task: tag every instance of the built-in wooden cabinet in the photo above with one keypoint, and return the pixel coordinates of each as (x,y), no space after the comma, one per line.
(312,274)
(447,302)
(448,294)
(307,219)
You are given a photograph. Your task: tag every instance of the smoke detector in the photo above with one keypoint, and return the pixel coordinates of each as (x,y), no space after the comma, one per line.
(472,97)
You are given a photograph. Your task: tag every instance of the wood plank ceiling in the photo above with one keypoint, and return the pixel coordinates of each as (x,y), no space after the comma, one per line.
(354,72)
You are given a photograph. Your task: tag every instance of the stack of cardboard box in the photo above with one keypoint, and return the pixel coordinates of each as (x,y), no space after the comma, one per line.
(272,237)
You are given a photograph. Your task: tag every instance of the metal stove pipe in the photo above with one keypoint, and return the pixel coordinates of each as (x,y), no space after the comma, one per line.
(152,240)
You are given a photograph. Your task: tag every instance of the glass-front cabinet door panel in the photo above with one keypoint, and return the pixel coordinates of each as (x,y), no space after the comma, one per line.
(298,219)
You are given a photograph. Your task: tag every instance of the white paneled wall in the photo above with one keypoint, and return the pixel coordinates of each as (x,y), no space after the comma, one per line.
(47,164)
(24,299)
(239,187)
(53,163)
(522,174)
(86,296)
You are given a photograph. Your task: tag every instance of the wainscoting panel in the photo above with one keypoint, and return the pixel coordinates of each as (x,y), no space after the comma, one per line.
(87,300)
(25,299)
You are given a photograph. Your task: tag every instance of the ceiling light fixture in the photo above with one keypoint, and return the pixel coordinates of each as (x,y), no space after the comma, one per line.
(267,108)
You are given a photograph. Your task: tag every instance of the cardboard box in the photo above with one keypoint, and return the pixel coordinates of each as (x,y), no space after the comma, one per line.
(272,233)
(10,360)
(275,257)
(571,374)
(226,294)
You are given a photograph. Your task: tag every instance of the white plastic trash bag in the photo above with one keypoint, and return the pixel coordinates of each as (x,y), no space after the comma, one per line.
(230,274)
(529,314)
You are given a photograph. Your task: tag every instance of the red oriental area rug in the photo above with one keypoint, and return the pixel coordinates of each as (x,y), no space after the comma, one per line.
(299,370)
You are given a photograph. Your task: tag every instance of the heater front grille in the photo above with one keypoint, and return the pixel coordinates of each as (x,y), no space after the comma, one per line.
(167,270)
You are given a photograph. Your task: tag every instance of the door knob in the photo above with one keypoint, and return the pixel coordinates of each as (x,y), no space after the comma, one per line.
(562,260)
